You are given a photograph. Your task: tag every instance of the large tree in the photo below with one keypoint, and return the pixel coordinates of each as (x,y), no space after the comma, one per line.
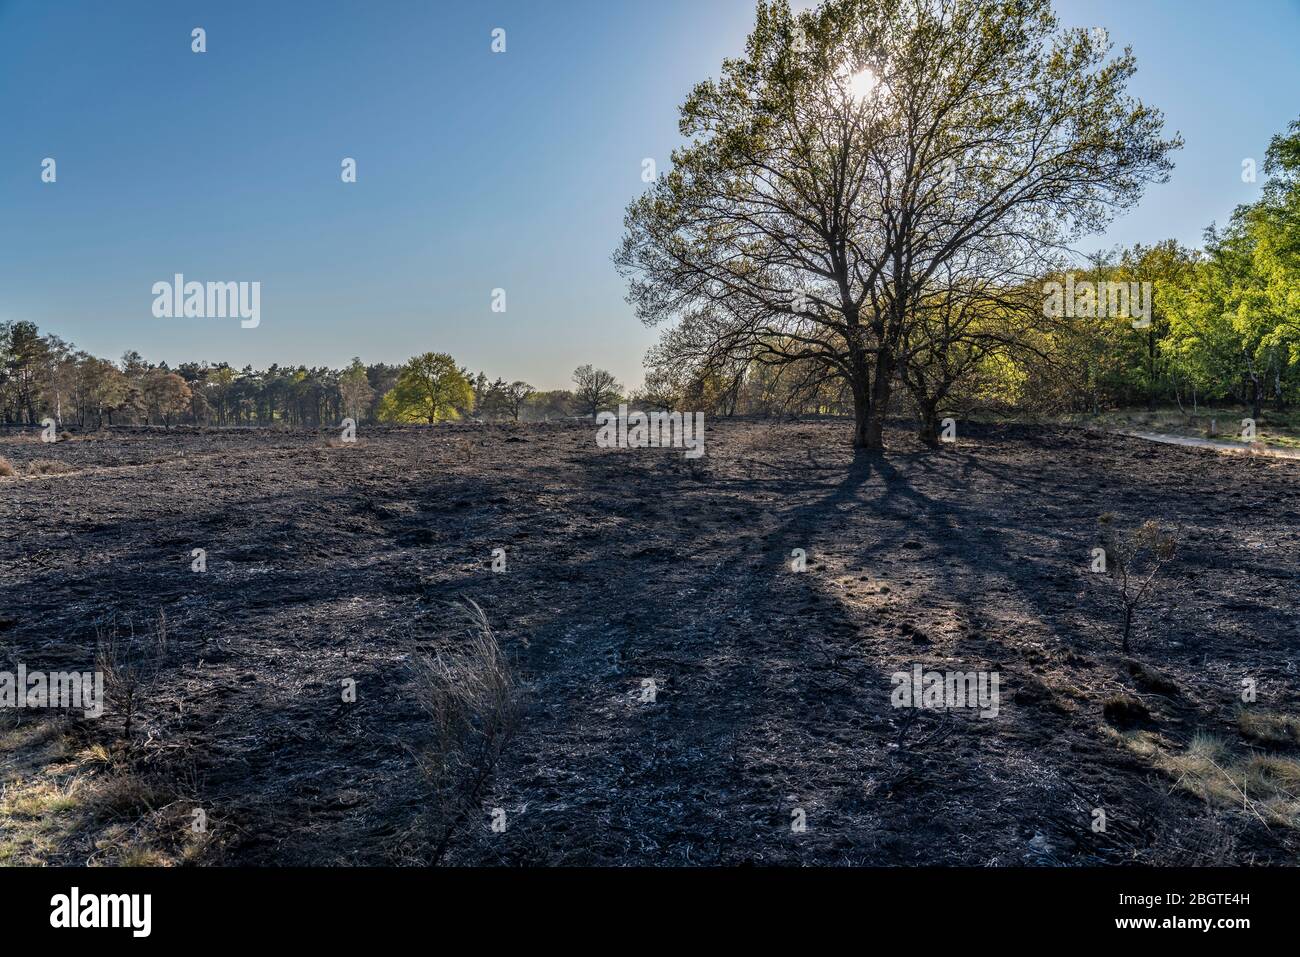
(430,388)
(596,389)
(22,357)
(516,397)
(841,168)
(166,394)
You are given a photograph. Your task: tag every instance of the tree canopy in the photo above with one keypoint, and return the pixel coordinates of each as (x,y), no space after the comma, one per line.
(863,157)
(430,388)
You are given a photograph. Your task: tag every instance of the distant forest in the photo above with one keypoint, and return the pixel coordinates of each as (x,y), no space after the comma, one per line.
(43,376)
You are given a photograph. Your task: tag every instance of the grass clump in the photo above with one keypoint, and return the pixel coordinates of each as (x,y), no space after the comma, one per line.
(468,692)
(1268,728)
(48,467)
(1265,787)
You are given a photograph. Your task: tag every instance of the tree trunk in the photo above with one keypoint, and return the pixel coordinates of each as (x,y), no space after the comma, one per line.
(861,414)
(929,412)
(874,438)
(1151,369)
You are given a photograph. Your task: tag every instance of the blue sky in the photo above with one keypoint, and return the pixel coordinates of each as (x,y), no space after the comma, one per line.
(475,170)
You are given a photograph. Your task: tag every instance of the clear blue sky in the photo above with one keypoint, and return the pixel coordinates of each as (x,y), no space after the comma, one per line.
(475,170)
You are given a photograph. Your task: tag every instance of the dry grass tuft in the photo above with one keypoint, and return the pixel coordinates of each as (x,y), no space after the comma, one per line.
(48,467)
(121,795)
(469,695)
(68,804)
(1268,728)
(1148,679)
(42,799)
(1266,787)
(138,855)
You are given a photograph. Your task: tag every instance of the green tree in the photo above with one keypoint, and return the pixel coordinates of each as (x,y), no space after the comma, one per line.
(859,151)
(430,388)
(1165,265)
(553,404)
(24,353)
(354,387)
(1235,324)
(106,389)
(517,395)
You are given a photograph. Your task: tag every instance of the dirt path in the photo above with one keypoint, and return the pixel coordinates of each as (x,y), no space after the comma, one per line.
(1220,445)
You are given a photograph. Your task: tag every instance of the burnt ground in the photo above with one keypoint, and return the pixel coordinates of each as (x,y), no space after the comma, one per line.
(773,687)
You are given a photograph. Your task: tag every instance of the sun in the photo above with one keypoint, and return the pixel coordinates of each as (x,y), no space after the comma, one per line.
(863,83)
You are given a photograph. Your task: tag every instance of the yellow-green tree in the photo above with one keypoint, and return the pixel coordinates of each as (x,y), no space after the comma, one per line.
(1235,326)
(429,389)
(354,389)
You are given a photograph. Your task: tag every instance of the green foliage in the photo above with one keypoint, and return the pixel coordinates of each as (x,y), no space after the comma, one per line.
(863,158)
(355,389)
(429,389)
(552,404)
(1235,322)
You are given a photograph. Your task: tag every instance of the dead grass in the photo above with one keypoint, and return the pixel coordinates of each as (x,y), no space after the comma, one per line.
(61,804)
(1148,679)
(41,793)
(1265,787)
(1274,429)
(72,794)
(42,799)
(48,467)
(121,795)
(468,693)
(1268,728)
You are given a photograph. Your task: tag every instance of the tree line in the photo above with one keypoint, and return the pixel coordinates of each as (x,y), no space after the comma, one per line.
(44,376)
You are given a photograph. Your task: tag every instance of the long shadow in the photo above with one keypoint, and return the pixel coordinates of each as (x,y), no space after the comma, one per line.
(662,590)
